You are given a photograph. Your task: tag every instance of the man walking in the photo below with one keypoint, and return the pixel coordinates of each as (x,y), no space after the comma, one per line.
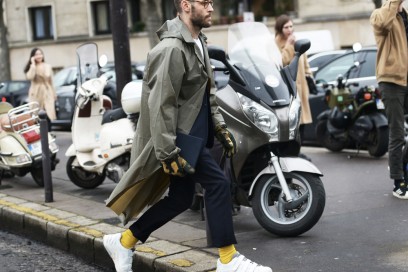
(177,98)
(390,30)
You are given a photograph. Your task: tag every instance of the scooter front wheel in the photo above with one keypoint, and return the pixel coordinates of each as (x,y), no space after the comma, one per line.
(294,218)
(81,177)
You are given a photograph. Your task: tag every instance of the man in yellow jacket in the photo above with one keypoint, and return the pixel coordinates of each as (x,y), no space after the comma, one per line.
(390,29)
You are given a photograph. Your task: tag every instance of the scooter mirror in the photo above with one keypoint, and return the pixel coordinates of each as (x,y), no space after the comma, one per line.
(357,47)
(103,60)
(302,46)
(216,53)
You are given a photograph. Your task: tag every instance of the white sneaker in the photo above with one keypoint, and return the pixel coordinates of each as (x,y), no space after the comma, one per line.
(121,256)
(241,264)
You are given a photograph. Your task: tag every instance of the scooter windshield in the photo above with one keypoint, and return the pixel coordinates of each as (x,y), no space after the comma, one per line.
(252,49)
(88,68)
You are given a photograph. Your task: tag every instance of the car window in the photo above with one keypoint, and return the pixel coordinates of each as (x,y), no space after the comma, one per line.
(17,86)
(318,61)
(72,78)
(331,71)
(61,78)
(368,67)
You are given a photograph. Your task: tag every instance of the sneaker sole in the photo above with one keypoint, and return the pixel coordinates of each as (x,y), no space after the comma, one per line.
(399,196)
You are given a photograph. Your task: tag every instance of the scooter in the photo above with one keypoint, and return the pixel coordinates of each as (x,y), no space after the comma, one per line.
(353,119)
(101,137)
(262,110)
(20,142)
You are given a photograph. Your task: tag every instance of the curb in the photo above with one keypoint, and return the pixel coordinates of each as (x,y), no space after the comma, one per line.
(82,237)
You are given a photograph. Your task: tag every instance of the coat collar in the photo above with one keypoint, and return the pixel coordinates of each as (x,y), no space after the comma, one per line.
(176,28)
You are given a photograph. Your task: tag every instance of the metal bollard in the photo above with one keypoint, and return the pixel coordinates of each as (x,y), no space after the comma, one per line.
(46,161)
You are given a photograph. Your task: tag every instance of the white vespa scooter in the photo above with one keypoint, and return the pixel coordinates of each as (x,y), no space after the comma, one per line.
(102,138)
(20,142)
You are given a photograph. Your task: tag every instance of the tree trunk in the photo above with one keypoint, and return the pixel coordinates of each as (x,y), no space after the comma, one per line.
(154,19)
(4,49)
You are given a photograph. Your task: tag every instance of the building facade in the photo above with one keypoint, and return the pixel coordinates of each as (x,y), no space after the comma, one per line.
(58,27)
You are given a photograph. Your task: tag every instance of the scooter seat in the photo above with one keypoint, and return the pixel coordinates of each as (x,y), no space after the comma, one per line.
(113,115)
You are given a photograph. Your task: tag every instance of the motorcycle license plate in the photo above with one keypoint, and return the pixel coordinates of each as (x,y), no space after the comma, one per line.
(35,148)
(380,104)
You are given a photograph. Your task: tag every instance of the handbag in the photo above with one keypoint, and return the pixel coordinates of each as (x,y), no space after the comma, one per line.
(311,84)
(190,147)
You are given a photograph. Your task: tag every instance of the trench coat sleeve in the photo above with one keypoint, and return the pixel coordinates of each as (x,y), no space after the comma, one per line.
(308,72)
(381,19)
(31,72)
(50,81)
(215,114)
(288,53)
(165,77)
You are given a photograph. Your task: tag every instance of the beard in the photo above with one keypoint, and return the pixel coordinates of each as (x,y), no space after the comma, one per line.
(199,20)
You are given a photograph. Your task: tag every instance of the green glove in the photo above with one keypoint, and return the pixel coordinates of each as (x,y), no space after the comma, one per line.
(226,139)
(177,166)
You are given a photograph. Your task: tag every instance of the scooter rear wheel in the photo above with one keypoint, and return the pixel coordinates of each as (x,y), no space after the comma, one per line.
(379,142)
(81,177)
(328,141)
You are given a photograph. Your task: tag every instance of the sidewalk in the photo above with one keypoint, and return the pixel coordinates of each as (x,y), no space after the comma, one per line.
(77,225)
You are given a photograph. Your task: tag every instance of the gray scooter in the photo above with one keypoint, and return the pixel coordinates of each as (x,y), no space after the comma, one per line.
(261,108)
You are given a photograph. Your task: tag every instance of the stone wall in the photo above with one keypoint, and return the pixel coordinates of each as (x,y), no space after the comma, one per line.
(347,20)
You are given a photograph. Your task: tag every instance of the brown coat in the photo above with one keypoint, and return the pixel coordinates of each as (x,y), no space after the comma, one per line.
(392,54)
(176,78)
(288,53)
(42,89)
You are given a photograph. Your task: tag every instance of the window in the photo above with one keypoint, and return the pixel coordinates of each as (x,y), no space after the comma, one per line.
(368,66)
(135,18)
(331,71)
(101,17)
(41,21)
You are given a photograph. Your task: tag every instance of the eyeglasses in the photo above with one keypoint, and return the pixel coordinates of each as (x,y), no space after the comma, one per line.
(204,3)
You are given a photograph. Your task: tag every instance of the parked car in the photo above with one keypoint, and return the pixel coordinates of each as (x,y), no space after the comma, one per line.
(65,82)
(317,60)
(364,75)
(14,91)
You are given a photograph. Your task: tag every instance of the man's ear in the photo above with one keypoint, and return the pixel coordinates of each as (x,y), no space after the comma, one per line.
(185,5)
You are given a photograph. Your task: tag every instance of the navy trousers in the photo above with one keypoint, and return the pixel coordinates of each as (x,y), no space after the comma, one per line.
(180,196)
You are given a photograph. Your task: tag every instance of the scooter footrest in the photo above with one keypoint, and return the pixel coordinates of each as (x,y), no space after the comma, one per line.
(89,163)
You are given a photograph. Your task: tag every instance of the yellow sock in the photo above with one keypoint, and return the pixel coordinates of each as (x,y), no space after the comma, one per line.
(226,253)
(128,240)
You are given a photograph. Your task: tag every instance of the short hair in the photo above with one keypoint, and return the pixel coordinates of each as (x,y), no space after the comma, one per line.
(177,5)
(280,22)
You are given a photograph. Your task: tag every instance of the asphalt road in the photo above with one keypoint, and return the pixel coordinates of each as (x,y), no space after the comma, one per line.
(363,227)
(20,254)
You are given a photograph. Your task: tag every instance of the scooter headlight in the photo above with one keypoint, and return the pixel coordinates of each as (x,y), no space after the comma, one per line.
(294,117)
(262,118)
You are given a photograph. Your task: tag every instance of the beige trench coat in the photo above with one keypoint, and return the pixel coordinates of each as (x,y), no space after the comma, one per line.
(42,89)
(288,53)
(176,77)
